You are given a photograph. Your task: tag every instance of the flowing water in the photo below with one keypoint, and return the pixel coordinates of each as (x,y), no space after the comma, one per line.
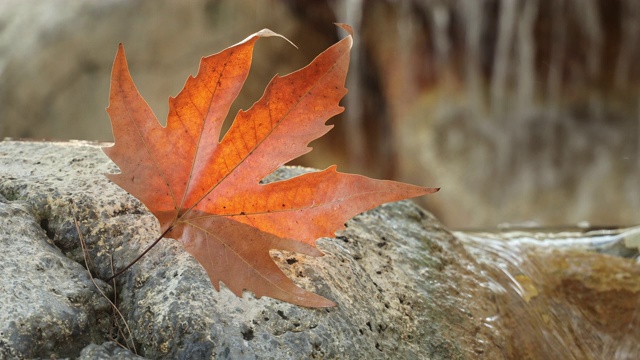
(563,295)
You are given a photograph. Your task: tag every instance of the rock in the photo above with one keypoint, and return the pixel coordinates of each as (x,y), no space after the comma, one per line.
(46,297)
(107,351)
(405,287)
(565,295)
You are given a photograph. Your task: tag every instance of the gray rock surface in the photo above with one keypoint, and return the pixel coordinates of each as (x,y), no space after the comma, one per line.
(406,288)
(107,351)
(46,297)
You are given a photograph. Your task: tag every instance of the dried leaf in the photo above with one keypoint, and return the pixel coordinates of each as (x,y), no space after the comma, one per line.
(206,192)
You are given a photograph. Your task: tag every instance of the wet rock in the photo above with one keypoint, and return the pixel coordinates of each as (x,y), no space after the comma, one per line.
(405,287)
(571,295)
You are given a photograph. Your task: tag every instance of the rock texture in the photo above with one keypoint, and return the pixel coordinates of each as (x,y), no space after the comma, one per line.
(46,297)
(406,288)
(106,351)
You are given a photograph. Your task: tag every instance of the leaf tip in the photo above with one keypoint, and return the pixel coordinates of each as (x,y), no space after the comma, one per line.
(269,33)
(345,27)
(312,300)
(120,51)
(120,63)
(427,191)
(329,304)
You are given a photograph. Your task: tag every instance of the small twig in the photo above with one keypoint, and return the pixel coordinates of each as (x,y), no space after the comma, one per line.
(120,333)
(87,260)
(113,282)
(141,255)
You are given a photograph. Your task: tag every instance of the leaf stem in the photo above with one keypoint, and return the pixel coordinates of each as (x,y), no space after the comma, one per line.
(140,256)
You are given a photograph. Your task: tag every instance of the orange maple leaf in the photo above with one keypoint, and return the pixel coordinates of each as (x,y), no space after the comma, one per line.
(206,192)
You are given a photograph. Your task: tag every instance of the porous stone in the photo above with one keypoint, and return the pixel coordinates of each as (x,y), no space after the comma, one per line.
(107,351)
(405,287)
(46,298)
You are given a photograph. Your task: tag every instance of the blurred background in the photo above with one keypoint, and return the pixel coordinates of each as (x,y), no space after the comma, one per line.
(523,111)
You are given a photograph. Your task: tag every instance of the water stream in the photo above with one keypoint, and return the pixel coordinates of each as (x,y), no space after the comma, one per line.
(570,294)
